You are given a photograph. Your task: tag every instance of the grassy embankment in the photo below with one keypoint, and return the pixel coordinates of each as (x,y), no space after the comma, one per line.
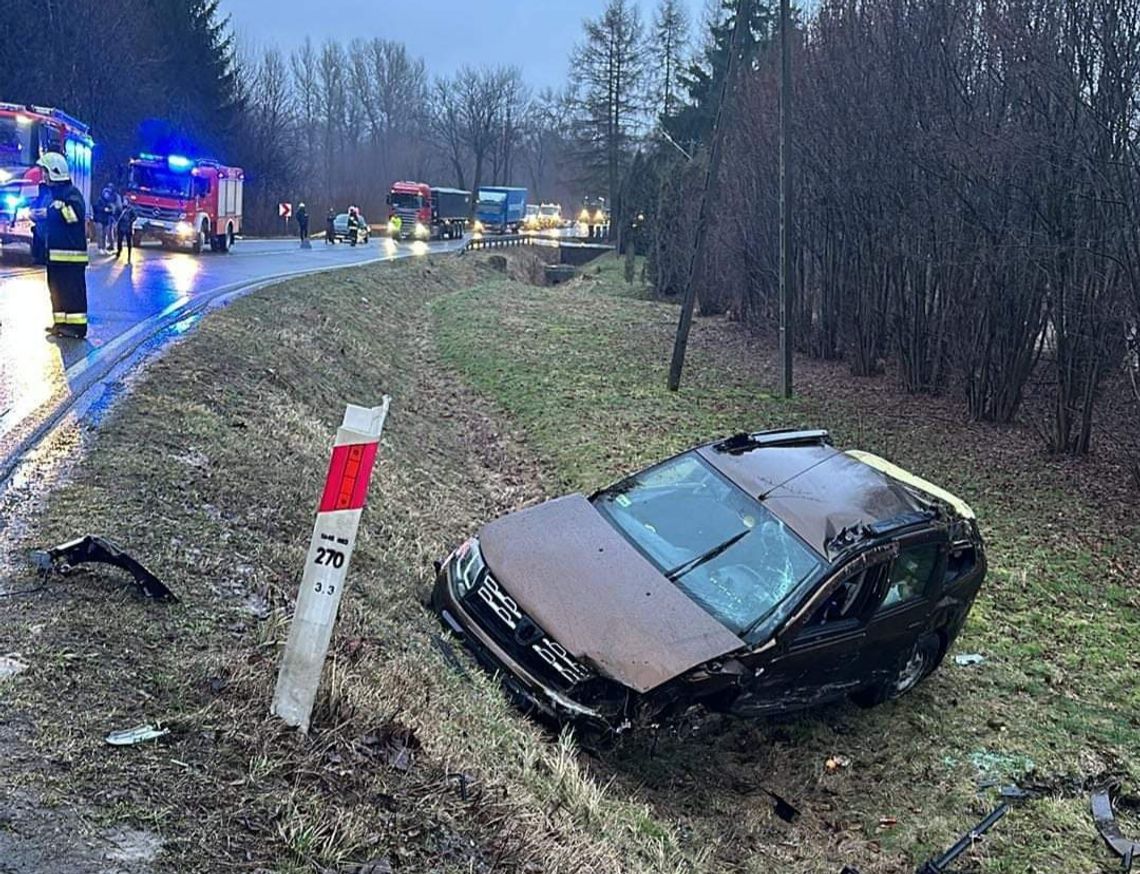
(209,473)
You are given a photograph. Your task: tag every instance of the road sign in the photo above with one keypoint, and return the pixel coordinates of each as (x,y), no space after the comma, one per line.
(326,566)
(285,210)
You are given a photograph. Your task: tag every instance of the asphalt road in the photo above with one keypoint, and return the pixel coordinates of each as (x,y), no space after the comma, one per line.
(37,373)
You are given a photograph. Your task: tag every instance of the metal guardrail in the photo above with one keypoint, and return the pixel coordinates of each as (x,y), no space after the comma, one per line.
(506,240)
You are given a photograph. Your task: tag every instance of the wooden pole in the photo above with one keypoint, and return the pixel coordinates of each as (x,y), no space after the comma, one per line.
(787,266)
(696,261)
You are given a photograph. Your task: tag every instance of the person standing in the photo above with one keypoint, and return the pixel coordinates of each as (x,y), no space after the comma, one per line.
(125,230)
(66,241)
(303,225)
(353,226)
(104,209)
(330,229)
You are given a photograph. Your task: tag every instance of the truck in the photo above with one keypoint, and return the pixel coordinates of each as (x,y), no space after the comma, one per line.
(500,210)
(26,133)
(186,202)
(428,213)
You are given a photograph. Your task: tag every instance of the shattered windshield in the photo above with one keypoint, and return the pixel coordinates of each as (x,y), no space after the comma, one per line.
(716,543)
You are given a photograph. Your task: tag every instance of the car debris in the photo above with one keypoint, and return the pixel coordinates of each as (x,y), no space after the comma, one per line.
(965,660)
(1128,850)
(99,550)
(836,763)
(755,575)
(10,665)
(939,864)
(138,734)
(782,807)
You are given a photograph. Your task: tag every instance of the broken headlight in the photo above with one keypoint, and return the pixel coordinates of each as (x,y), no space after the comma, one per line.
(467,566)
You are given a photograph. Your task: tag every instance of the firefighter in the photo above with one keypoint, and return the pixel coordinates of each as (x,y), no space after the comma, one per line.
(396,225)
(330,229)
(353,226)
(64,232)
(303,225)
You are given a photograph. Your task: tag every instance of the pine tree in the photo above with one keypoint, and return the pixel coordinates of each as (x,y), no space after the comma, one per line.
(703,78)
(670,41)
(608,81)
(197,75)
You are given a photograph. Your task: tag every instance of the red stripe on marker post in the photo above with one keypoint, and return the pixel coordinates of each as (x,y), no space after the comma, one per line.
(350,470)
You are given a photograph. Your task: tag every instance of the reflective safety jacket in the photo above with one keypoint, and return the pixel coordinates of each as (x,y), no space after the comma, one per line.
(65,228)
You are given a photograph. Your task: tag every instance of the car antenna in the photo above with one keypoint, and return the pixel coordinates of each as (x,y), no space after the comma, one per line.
(763,496)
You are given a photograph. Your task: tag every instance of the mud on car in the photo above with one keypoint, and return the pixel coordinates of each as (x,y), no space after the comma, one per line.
(758,574)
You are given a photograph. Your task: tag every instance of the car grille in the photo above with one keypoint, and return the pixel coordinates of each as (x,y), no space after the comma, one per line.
(514,631)
(158,213)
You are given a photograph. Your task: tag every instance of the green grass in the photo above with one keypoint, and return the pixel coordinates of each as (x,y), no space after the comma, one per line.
(581,370)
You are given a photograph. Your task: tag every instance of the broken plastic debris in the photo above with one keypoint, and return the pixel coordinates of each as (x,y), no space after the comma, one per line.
(965,659)
(100,550)
(782,807)
(1106,824)
(837,763)
(10,666)
(137,735)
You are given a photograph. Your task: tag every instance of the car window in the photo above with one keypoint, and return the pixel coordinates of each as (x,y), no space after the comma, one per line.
(911,573)
(714,541)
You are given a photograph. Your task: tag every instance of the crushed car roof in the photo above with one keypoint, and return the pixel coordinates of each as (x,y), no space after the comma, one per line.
(817,490)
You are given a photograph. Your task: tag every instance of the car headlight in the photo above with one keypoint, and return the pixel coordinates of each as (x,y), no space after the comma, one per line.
(421,230)
(478,227)
(184,229)
(467,566)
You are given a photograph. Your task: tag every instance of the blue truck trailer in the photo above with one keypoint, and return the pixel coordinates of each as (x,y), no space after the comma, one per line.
(500,210)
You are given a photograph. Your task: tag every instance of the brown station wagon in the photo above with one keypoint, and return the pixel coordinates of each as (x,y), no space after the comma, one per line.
(759,574)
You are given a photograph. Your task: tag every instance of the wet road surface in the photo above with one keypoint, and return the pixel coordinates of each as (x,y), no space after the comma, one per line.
(125,303)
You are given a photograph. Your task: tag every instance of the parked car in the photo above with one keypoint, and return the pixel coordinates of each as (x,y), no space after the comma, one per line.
(340,226)
(758,574)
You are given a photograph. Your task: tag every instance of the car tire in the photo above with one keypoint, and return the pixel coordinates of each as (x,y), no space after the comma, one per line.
(916,666)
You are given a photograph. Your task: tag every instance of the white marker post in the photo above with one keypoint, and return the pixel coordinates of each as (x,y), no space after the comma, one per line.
(330,551)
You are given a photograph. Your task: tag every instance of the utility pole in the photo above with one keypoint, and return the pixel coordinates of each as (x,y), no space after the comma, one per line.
(696,261)
(787,268)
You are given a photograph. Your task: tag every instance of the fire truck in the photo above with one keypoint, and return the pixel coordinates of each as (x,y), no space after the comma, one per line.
(26,133)
(428,213)
(186,202)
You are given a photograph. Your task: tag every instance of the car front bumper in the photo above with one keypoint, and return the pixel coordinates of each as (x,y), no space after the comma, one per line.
(526,690)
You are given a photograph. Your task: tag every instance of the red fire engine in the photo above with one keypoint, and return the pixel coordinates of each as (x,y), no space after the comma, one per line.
(26,132)
(186,201)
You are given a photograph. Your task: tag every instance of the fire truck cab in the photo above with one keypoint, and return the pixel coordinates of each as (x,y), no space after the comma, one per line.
(26,133)
(186,202)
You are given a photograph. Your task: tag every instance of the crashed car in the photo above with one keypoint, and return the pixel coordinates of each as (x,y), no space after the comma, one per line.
(758,574)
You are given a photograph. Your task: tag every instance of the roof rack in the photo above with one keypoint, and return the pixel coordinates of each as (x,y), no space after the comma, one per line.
(740,443)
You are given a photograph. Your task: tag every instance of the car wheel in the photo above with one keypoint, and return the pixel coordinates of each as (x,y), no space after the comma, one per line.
(918,664)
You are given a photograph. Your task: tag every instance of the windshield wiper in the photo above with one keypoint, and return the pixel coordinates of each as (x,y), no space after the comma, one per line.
(696,562)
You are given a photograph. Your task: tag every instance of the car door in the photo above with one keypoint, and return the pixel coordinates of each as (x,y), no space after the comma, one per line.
(823,657)
(902,613)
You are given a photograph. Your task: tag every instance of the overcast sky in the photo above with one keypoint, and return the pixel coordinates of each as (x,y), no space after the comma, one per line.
(536,35)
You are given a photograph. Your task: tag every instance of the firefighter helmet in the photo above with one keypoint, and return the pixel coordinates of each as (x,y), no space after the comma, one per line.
(55,166)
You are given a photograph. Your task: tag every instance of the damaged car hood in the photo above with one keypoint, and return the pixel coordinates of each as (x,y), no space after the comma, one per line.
(593,592)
